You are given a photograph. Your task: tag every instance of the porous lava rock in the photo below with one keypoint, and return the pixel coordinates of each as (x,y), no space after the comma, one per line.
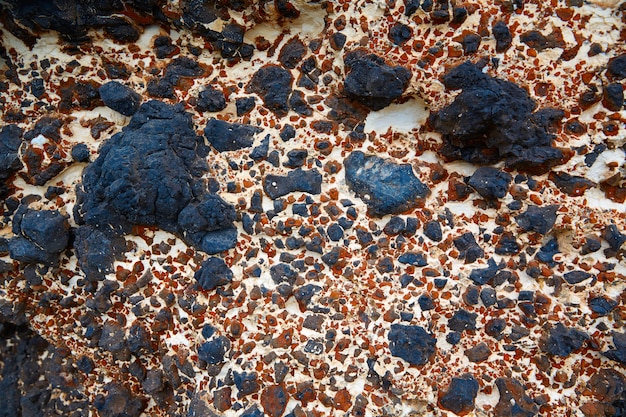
(385,186)
(411,343)
(150,175)
(211,100)
(72,19)
(224,136)
(297,180)
(494,119)
(119,401)
(372,82)
(213,273)
(273,84)
(538,219)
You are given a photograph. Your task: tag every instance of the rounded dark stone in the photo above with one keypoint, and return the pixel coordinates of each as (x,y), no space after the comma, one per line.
(120,98)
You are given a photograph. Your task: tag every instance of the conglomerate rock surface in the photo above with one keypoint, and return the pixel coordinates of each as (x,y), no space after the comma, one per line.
(300,208)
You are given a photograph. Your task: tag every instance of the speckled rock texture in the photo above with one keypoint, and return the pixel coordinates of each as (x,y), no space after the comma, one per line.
(292,208)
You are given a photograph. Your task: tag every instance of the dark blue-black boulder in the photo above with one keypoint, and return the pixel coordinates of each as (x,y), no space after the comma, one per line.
(120,98)
(224,136)
(411,343)
(40,235)
(151,174)
(213,351)
(460,395)
(537,219)
(213,273)
(386,187)
(372,82)
(491,183)
(561,341)
(493,120)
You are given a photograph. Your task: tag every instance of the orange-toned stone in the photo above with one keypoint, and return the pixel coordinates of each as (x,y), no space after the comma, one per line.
(274,400)
(342,400)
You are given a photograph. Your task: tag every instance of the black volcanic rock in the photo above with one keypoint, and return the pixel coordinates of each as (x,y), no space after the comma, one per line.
(10,141)
(273,84)
(538,219)
(120,98)
(386,187)
(562,341)
(213,273)
(576,277)
(490,183)
(618,353)
(213,351)
(150,175)
(119,401)
(493,120)
(291,54)
(224,136)
(211,100)
(372,82)
(411,343)
(41,235)
(462,320)
(468,247)
(298,180)
(460,395)
(616,68)
(613,96)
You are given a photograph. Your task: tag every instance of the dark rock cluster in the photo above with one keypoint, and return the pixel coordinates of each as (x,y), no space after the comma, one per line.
(492,120)
(150,175)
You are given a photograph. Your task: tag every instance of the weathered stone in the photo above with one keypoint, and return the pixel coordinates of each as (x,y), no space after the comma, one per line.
(478,353)
(490,183)
(411,343)
(460,395)
(561,341)
(538,219)
(386,187)
(120,98)
(513,400)
(277,186)
(213,273)
(372,82)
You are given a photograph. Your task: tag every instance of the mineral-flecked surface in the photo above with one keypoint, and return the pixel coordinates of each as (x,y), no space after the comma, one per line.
(294,208)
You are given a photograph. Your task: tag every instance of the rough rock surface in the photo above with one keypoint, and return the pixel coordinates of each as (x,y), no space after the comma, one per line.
(10,141)
(386,187)
(372,82)
(149,175)
(325,212)
(493,120)
(224,136)
(41,236)
(460,395)
(490,183)
(120,98)
(411,343)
